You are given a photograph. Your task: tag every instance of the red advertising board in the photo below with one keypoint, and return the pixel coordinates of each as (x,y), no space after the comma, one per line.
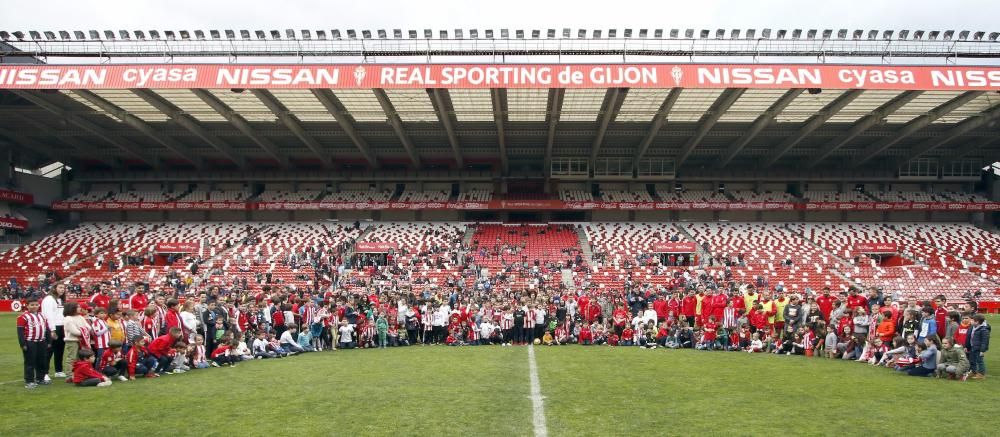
(16,197)
(484,76)
(675,247)
(875,247)
(178,247)
(374,247)
(13,223)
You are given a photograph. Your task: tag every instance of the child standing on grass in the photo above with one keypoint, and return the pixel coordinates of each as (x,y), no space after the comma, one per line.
(382,326)
(84,374)
(33,337)
(77,334)
(102,334)
(979,343)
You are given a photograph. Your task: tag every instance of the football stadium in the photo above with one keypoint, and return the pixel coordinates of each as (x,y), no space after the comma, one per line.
(499,231)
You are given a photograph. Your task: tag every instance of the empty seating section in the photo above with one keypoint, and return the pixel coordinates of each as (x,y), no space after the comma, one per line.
(576,196)
(216,196)
(620,241)
(910,196)
(427,253)
(966,197)
(765,249)
(90,196)
(145,196)
(835,196)
(496,245)
(694,196)
(359,196)
(289,196)
(475,196)
(425,196)
(767,196)
(980,248)
(626,196)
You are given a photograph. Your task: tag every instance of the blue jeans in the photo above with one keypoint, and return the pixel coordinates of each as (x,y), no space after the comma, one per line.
(976,362)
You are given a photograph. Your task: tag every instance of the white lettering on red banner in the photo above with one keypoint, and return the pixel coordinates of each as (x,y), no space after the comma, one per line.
(675,247)
(367,76)
(178,247)
(374,247)
(876,248)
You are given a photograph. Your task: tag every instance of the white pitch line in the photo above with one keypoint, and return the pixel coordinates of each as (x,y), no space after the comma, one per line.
(538,409)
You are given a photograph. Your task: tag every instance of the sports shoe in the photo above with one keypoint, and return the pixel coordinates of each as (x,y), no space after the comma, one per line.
(30,386)
(178,371)
(214,364)
(45,381)
(152,375)
(122,378)
(47,378)
(60,374)
(104,384)
(965,376)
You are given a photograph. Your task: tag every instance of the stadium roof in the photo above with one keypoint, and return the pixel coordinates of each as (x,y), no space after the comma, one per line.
(763,122)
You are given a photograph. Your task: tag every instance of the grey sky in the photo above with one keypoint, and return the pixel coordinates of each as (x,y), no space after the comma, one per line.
(513,14)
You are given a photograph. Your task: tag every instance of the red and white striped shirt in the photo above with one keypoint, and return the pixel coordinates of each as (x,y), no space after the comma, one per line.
(308,314)
(507,322)
(34,325)
(729,318)
(529,319)
(473,333)
(85,336)
(199,355)
(102,336)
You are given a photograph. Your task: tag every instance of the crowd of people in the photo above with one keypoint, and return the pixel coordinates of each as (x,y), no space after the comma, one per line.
(131,332)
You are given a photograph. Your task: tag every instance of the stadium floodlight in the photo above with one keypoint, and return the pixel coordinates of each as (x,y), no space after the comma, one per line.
(857,34)
(612,33)
(904,33)
(35,35)
(581,33)
(674,33)
(535,34)
(215,34)
(428,34)
(231,35)
(321,35)
(505,33)
(872,34)
(932,35)
(689,33)
(306,34)
(91,33)
(260,34)
(519,33)
(811,34)
(643,33)
(919,34)
(751,33)
(978,36)
(658,33)
(200,35)
(474,33)
(597,33)
(290,34)
(703,34)
(366,34)
(4,35)
(781,33)
(458,34)
(766,34)
(827,33)
(49,35)
(734,34)
(123,34)
(381,34)
(842,34)
(412,34)
(65,35)
(184,34)
(963,35)
(109,34)
(887,35)
(352,34)
(154,34)
(169,34)
(994,35)
(20,35)
(565,33)
(948,34)
(796,34)
(275,34)
(335,33)
(245,34)
(720,33)
(443,34)
(489,33)
(397,33)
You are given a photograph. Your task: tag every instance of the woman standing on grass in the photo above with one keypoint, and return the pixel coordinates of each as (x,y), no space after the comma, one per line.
(52,310)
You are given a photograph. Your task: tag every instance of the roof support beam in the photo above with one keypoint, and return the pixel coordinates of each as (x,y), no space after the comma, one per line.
(958,130)
(441,102)
(814,122)
(613,100)
(707,121)
(191,124)
(242,125)
(660,119)
(867,122)
(138,124)
(336,109)
(499,97)
(397,126)
(553,108)
(121,143)
(915,125)
(758,125)
(28,145)
(80,148)
(292,123)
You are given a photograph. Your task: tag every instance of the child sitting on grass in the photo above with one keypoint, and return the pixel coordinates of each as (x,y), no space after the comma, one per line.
(197,354)
(224,356)
(139,361)
(756,345)
(84,374)
(113,362)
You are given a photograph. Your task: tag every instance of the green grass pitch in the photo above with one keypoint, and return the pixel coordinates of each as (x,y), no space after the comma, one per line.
(434,391)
